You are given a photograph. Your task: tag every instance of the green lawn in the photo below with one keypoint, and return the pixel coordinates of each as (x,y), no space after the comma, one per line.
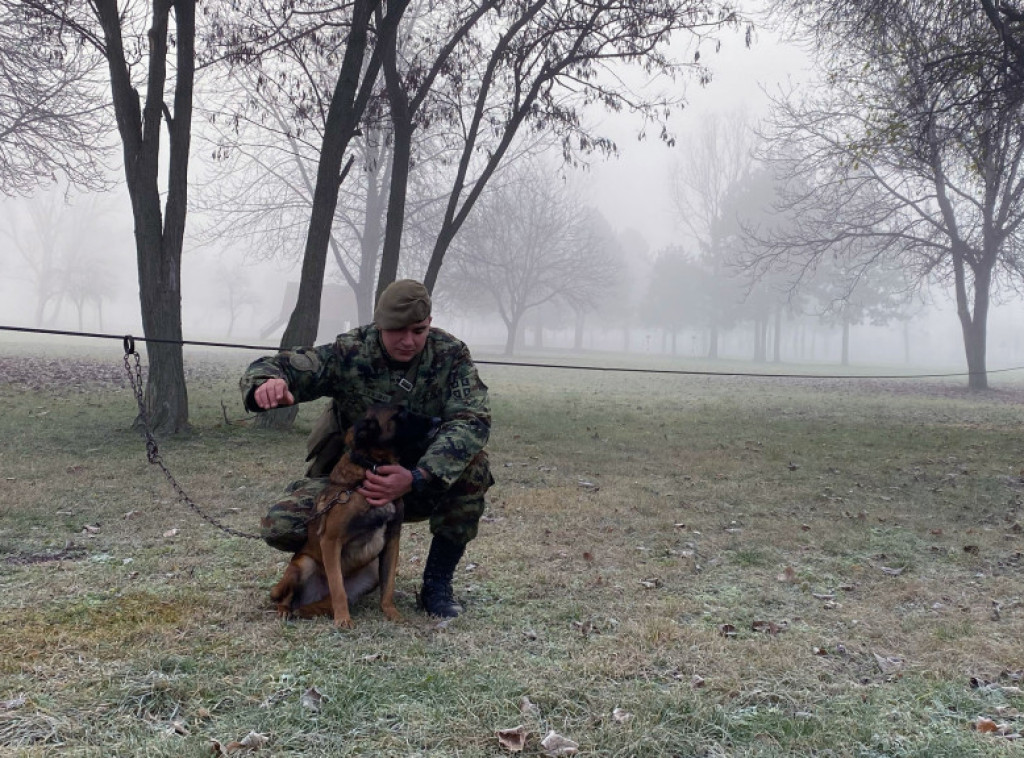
(669,566)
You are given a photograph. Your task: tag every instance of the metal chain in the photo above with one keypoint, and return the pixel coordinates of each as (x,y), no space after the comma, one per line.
(153,453)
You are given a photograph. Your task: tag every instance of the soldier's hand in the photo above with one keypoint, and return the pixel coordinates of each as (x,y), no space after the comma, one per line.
(389,483)
(273,393)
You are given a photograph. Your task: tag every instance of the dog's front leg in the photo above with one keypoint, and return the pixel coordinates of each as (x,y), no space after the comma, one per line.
(330,546)
(388,563)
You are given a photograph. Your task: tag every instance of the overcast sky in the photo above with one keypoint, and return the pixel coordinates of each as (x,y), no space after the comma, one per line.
(632,190)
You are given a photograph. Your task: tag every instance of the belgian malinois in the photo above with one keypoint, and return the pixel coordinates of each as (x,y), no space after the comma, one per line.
(353,546)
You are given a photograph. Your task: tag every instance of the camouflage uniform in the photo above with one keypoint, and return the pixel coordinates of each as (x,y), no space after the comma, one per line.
(356,372)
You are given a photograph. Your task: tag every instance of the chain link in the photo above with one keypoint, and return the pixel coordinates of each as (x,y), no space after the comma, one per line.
(153,452)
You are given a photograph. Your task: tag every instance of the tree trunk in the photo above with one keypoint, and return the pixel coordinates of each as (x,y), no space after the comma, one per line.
(402,131)
(777,337)
(760,340)
(577,339)
(348,102)
(158,237)
(512,326)
(845,360)
(975,326)
(713,341)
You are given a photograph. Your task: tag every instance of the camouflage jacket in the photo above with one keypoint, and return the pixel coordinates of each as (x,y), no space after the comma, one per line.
(356,372)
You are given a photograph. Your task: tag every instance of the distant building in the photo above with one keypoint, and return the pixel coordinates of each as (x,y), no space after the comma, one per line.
(338,312)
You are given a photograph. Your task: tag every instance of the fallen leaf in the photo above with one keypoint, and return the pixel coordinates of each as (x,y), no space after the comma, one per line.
(892,571)
(130,515)
(527,708)
(788,575)
(555,744)
(15,702)
(621,716)
(727,630)
(888,664)
(768,627)
(985,725)
(972,549)
(251,741)
(312,699)
(513,740)
(90,529)
(696,681)
(171,533)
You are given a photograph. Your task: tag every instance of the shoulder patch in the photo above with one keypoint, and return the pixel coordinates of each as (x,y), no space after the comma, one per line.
(302,360)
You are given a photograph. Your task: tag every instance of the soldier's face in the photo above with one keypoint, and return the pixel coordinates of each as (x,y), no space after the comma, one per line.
(406,343)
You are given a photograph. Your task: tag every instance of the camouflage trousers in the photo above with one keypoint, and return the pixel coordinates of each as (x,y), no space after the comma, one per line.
(453,513)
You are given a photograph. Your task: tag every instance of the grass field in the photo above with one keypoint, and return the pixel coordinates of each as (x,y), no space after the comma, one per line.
(669,566)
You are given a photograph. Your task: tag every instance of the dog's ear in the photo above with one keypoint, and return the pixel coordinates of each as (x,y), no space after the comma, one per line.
(367,432)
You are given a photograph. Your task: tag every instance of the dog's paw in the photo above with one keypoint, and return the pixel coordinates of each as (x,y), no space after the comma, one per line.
(344,622)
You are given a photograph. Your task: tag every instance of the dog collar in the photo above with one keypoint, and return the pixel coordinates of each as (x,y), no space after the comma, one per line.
(365,462)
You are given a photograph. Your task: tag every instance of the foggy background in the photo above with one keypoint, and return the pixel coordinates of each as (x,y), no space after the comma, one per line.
(233,293)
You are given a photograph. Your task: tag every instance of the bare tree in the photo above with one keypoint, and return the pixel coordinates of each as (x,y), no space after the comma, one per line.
(52,119)
(549,61)
(717,161)
(530,243)
(898,159)
(140,46)
(262,162)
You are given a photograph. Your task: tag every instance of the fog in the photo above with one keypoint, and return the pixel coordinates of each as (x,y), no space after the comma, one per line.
(231,296)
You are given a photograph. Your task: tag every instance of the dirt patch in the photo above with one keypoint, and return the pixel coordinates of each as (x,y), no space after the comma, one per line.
(70,552)
(73,375)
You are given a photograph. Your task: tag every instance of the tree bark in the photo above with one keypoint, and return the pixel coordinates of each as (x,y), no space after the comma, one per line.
(351,93)
(158,237)
(777,337)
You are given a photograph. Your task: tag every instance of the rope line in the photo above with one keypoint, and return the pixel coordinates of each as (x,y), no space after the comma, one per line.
(573,367)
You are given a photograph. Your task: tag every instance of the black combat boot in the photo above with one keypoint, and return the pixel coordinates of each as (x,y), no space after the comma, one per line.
(437,597)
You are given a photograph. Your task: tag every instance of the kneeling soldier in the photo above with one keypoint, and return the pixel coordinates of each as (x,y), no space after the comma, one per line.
(399,358)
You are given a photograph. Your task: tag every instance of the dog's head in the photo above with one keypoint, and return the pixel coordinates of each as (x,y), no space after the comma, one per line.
(392,429)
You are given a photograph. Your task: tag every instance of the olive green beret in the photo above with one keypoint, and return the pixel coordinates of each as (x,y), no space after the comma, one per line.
(402,302)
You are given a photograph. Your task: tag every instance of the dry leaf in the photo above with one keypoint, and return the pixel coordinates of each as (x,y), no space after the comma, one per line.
(171,533)
(621,716)
(696,681)
(312,699)
(130,515)
(888,664)
(768,627)
(555,744)
(251,741)
(892,571)
(788,575)
(985,725)
(513,740)
(90,529)
(727,630)
(528,709)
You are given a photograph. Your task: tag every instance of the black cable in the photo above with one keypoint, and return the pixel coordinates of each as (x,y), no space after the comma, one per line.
(126,339)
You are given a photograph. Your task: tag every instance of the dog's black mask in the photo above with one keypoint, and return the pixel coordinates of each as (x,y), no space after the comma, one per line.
(407,434)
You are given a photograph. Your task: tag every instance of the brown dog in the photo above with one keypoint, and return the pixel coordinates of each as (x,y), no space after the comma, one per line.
(353,546)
